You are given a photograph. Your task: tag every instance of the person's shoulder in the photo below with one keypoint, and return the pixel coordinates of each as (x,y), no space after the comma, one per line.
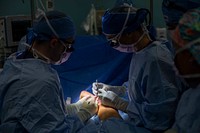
(162,45)
(37,69)
(161,41)
(159,50)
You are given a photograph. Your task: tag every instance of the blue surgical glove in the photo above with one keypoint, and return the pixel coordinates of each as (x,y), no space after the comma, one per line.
(119,90)
(109,98)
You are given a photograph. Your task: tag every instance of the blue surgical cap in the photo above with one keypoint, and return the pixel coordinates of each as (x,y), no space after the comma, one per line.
(113,21)
(122,2)
(61,24)
(174,9)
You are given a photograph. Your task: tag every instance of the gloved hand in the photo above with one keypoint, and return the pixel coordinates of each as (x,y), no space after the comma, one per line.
(119,90)
(73,108)
(88,108)
(109,98)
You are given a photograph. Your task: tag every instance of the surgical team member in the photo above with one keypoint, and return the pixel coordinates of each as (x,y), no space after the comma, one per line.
(31,97)
(187,60)
(154,89)
(174,9)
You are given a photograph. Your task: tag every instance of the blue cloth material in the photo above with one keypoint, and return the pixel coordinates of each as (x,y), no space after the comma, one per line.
(112,23)
(64,27)
(115,125)
(154,89)
(169,45)
(122,2)
(92,59)
(31,99)
(174,9)
(187,114)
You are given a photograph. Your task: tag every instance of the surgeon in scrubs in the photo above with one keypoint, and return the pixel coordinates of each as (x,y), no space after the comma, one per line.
(154,88)
(31,97)
(187,43)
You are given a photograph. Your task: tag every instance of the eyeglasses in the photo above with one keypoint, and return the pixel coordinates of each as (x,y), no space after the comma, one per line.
(69,48)
(113,43)
(67,45)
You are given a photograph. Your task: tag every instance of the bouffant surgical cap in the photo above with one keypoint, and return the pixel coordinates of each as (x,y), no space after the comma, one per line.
(187,33)
(188,28)
(174,9)
(113,20)
(62,27)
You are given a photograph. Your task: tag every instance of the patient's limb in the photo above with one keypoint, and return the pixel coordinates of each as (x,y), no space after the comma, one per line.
(103,112)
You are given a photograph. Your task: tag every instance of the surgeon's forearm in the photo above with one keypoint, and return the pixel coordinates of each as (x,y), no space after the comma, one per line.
(121,104)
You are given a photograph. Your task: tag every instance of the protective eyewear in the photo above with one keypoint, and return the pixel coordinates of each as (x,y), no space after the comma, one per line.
(68,46)
(113,43)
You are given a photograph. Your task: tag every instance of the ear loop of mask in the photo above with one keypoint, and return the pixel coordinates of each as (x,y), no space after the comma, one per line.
(117,37)
(145,32)
(41,12)
(188,46)
(36,53)
(50,26)
(144,27)
(131,47)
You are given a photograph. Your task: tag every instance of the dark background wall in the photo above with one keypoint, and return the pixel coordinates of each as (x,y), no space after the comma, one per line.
(78,9)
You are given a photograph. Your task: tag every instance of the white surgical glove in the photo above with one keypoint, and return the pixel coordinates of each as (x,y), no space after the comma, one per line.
(109,98)
(119,90)
(73,108)
(88,108)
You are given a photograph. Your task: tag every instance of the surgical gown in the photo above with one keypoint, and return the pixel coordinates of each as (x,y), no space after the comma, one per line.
(31,99)
(154,89)
(188,112)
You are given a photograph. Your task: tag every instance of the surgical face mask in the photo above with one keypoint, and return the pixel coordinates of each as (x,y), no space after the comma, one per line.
(65,55)
(194,49)
(126,48)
